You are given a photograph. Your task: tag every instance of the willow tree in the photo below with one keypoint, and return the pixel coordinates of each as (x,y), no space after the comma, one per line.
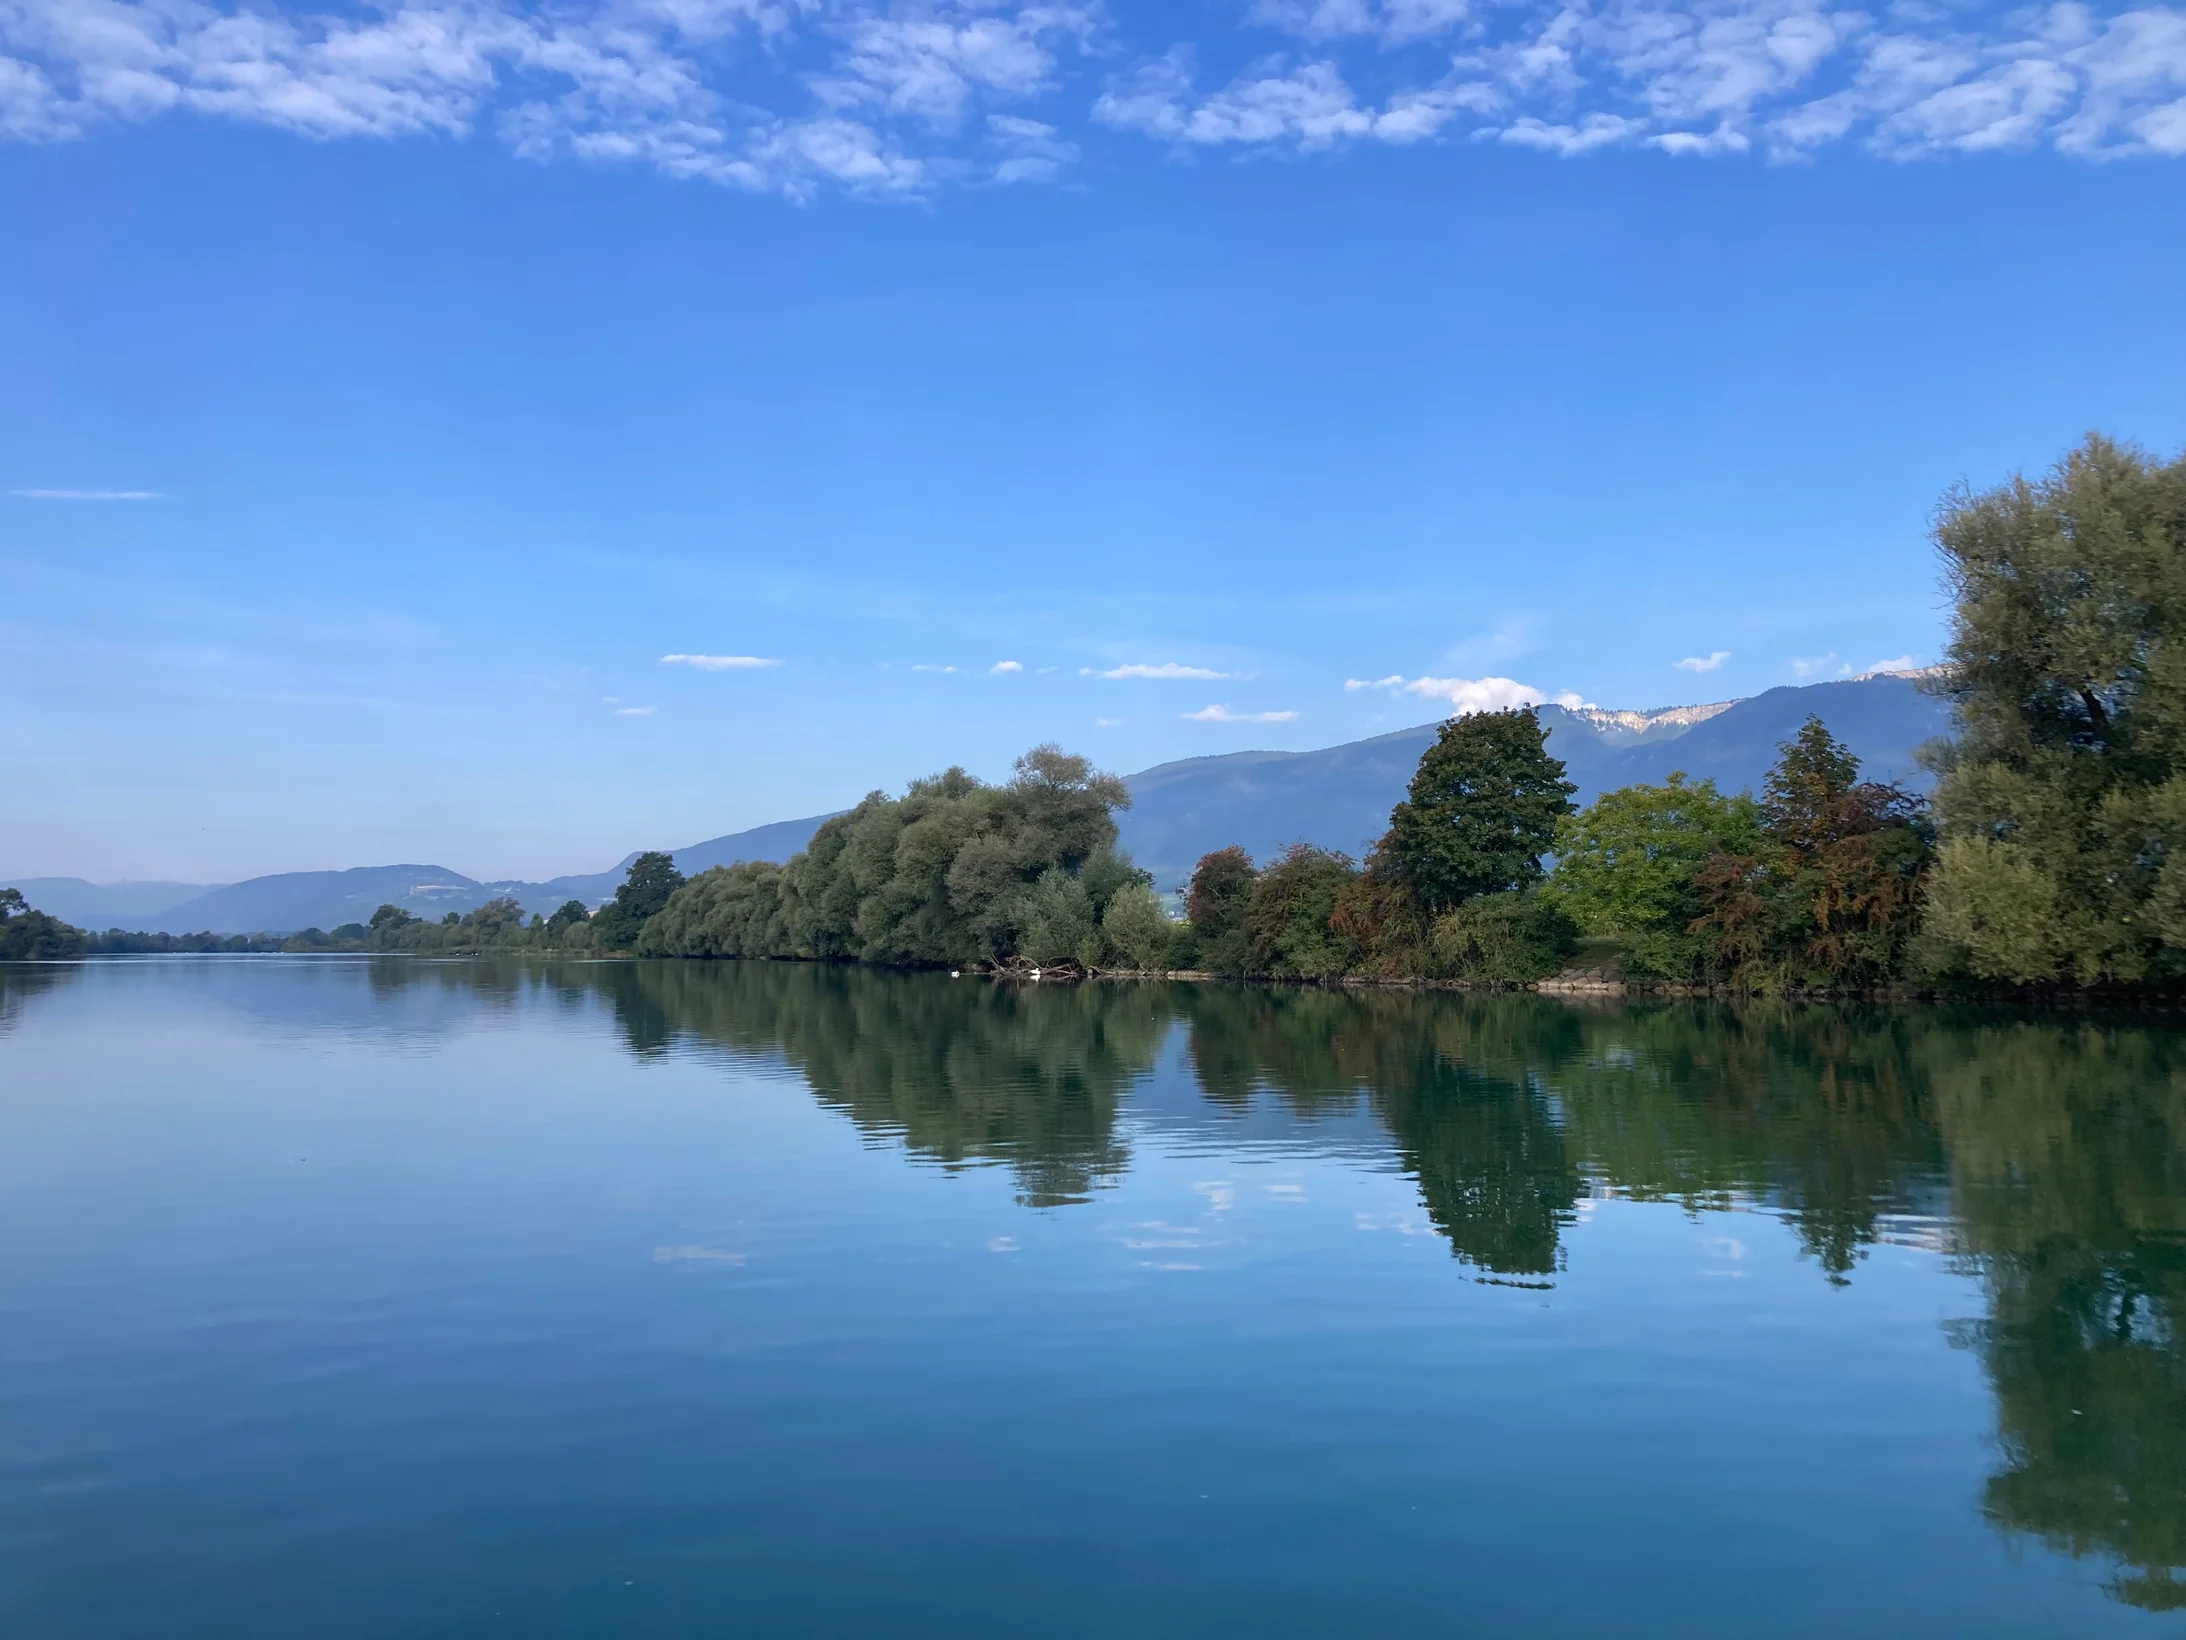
(2063,802)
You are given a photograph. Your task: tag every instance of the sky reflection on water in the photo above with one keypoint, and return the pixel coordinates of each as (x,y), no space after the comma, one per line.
(362,1297)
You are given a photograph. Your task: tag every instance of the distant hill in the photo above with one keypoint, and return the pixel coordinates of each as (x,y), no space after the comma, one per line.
(110,905)
(1338,797)
(292,900)
(775,841)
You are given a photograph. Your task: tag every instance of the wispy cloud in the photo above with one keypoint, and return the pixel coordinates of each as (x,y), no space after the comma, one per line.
(1703,663)
(1902,663)
(877,99)
(1222,714)
(762,95)
(1688,78)
(692,1253)
(921,667)
(635,711)
(1000,667)
(718,663)
(1819,666)
(71,495)
(1469,695)
(1167,669)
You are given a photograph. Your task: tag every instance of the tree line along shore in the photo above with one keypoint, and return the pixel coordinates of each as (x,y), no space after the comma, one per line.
(2052,853)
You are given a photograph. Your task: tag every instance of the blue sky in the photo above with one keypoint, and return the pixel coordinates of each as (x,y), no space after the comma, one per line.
(468,360)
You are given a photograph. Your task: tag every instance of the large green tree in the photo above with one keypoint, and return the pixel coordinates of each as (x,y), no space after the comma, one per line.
(954,871)
(645,889)
(32,936)
(1830,897)
(1218,904)
(1628,867)
(2063,801)
(1482,810)
(1289,920)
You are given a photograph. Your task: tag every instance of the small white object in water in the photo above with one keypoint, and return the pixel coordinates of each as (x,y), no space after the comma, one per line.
(1036,973)
(953,974)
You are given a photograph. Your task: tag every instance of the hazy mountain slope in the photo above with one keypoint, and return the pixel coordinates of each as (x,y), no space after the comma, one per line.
(95,905)
(289,901)
(292,900)
(1340,797)
(776,842)
(1883,720)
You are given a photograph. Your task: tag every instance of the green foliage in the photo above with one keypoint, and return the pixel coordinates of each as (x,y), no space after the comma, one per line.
(1628,864)
(1513,938)
(1290,917)
(32,936)
(953,872)
(1219,904)
(1481,811)
(1137,931)
(1378,914)
(1830,899)
(1059,921)
(644,891)
(498,925)
(117,942)
(2063,801)
(730,911)
(568,915)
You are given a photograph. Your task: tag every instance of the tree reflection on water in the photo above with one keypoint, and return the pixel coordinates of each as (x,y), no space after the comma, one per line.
(2047,1154)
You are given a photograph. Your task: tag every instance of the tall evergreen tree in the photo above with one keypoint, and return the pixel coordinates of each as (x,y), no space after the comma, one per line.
(645,889)
(1481,811)
(1219,904)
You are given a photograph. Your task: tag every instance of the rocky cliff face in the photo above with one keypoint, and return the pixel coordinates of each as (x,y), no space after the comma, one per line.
(1671,718)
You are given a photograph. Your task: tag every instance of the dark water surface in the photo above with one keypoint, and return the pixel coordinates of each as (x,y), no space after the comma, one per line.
(386,1297)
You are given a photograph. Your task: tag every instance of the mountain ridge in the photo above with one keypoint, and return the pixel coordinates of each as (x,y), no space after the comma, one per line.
(1336,797)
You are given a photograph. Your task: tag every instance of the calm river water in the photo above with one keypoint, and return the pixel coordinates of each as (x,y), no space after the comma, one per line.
(395,1297)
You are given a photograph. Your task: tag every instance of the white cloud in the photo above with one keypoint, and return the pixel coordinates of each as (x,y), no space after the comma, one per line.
(1903,663)
(635,711)
(1278,103)
(773,95)
(1393,22)
(1703,663)
(1692,78)
(718,663)
(1108,723)
(896,98)
(1028,150)
(1469,695)
(1568,141)
(1167,669)
(999,667)
(922,668)
(1222,714)
(1818,666)
(86,495)
(1477,694)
